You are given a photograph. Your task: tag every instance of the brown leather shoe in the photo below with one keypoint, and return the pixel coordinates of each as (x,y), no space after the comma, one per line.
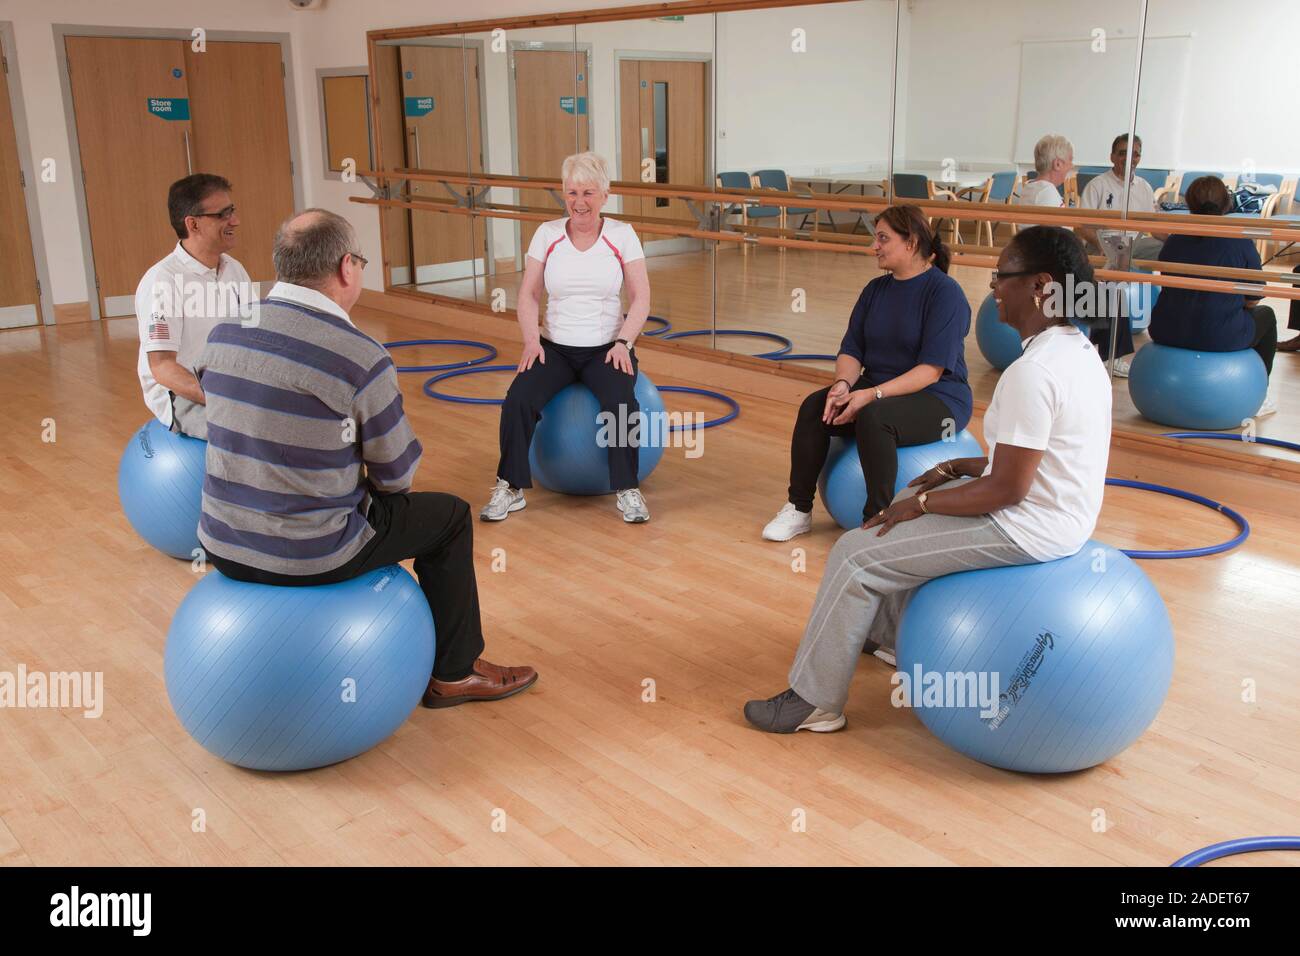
(487,681)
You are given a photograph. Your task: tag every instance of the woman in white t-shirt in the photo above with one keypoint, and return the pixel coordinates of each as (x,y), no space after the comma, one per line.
(1053,160)
(584,261)
(1035,497)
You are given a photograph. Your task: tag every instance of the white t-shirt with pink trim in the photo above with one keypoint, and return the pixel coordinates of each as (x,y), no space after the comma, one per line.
(583,306)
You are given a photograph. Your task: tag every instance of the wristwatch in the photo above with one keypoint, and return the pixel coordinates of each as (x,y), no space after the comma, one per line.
(626,343)
(879,394)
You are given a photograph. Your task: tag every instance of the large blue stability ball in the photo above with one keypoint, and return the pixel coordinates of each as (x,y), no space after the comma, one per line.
(567,454)
(289,678)
(1081,651)
(1141,297)
(160,485)
(999,343)
(844,488)
(1200,390)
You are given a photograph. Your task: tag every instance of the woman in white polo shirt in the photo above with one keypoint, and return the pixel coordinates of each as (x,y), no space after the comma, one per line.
(584,260)
(1035,497)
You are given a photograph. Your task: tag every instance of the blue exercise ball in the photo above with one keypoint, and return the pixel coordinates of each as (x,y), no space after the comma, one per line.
(999,343)
(160,485)
(844,488)
(290,678)
(1068,661)
(1198,390)
(1141,298)
(570,450)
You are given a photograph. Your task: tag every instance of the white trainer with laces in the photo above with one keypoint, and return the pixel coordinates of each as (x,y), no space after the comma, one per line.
(632,504)
(788,523)
(1268,408)
(503,501)
(1121,368)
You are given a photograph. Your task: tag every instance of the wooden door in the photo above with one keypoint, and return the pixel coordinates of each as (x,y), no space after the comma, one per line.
(435,109)
(131,104)
(479,225)
(668,126)
(20,302)
(551,122)
(241,132)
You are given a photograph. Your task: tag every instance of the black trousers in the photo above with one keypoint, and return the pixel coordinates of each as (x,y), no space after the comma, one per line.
(879,429)
(531,390)
(1266,333)
(1293,321)
(1100,337)
(433,528)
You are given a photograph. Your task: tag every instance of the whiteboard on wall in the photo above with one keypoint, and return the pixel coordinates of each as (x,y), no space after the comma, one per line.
(1067,88)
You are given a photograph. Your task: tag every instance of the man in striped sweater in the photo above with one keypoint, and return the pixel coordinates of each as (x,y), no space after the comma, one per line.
(310,457)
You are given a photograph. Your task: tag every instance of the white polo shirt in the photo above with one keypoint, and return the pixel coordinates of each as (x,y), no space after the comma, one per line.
(1056,399)
(583,306)
(177,303)
(1106,191)
(1039,192)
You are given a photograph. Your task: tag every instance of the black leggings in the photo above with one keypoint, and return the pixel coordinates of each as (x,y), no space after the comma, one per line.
(1293,322)
(531,390)
(879,429)
(1266,333)
(433,528)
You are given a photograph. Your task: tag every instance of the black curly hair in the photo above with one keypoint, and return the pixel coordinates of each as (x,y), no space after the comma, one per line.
(1060,254)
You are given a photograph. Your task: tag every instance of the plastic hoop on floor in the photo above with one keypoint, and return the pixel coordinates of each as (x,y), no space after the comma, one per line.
(786,345)
(465,399)
(1240,521)
(1230,847)
(804,357)
(659,331)
(492,353)
(1234,436)
(735,407)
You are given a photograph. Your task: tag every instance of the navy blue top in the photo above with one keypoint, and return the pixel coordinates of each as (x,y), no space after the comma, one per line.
(1209,321)
(899,324)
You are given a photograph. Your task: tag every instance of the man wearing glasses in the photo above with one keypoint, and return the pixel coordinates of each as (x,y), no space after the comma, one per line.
(311,458)
(184,295)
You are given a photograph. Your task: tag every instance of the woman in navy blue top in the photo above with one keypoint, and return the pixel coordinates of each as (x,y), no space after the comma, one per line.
(900,376)
(1212,321)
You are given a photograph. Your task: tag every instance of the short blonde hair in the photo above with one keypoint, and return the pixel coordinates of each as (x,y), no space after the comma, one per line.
(1049,149)
(586,168)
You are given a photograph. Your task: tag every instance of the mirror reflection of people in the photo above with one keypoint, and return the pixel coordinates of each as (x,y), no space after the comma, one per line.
(584,260)
(1035,497)
(1293,323)
(900,376)
(1053,162)
(1106,191)
(1213,321)
(184,295)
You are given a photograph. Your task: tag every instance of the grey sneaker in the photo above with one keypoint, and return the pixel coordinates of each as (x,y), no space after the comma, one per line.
(632,504)
(503,501)
(787,712)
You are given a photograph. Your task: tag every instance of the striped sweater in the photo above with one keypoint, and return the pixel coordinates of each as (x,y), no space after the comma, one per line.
(305,422)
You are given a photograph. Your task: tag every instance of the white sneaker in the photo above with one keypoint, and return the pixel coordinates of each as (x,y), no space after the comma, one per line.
(1121,368)
(632,504)
(1268,408)
(503,501)
(788,523)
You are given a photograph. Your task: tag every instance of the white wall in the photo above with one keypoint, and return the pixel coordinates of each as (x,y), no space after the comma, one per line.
(964,76)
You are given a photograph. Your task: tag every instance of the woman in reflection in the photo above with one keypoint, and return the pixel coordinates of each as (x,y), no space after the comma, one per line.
(900,377)
(584,260)
(1035,497)
(1213,321)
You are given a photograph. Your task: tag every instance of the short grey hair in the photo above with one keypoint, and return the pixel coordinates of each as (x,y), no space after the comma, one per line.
(586,169)
(1050,148)
(310,245)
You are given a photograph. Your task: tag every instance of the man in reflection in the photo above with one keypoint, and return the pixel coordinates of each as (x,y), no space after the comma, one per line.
(1106,191)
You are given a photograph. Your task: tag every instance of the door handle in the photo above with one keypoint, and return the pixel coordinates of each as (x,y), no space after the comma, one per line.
(189,163)
(416,134)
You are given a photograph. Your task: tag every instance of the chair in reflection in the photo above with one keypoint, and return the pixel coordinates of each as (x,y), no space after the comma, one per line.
(997,188)
(1158,178)
(1173,193)
(777,179)
(748,213)
(917,186)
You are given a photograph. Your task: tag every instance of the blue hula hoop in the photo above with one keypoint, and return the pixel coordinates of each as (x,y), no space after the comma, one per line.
(1240,521)
(659,331)
(1229,847)
(786,345)
(1234,436)
(492,353)
(735,407)
(803,357)
(467,400)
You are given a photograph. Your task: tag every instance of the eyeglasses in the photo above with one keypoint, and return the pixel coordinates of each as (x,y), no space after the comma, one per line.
(222,214)
(360,258)
(997,274)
